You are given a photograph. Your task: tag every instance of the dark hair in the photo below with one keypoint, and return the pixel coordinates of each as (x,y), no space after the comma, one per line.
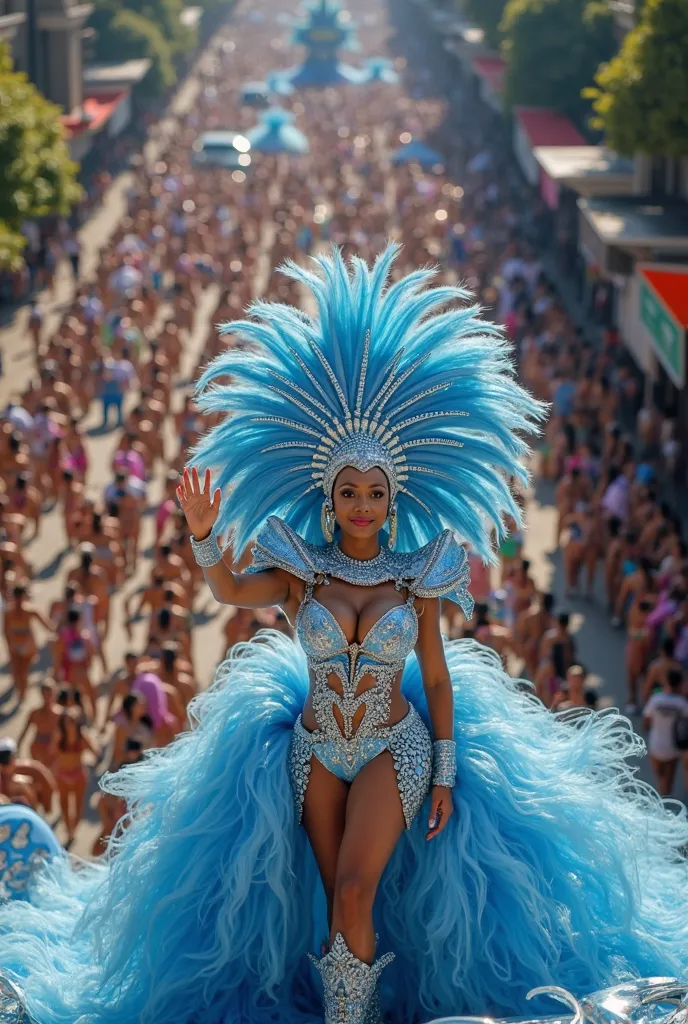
(164,618)
(129,703)
(64,695)
(5,757)
(590,697)
(614,526)
(668,646)
(675,679)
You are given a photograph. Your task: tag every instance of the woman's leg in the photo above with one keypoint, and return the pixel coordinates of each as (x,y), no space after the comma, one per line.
(374,823)
(324,812)
(64,803)
(79,797)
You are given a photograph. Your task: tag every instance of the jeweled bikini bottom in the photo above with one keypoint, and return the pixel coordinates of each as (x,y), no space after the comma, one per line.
(408,742)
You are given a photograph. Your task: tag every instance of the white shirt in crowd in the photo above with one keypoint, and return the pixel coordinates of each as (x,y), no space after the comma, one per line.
(662,710)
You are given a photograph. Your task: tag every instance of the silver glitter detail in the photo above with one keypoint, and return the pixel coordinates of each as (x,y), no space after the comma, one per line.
(290,444)
(362,378)
(300,391)
(381,656)
(349,984)
(423,416)
(316,384)
(421,394)
(207,552)
(299,404)
(283,421)
(437,569)
(401,379)
(362,452)
(12,1006)
(422,442)
(331,374)
(444,763)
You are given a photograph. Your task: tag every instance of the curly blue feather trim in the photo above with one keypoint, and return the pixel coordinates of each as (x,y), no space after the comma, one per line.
(558,867)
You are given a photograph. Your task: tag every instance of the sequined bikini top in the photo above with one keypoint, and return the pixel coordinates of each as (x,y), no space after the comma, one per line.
(388,641)
(438,569)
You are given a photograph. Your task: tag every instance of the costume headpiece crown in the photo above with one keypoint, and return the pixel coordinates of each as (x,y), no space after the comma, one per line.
(394,376)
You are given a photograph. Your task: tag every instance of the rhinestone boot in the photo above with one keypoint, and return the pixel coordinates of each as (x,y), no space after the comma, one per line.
(350,985)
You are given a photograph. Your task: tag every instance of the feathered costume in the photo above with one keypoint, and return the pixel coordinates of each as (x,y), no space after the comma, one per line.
(557,868)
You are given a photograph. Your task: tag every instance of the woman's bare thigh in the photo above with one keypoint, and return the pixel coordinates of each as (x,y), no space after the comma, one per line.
(324,815)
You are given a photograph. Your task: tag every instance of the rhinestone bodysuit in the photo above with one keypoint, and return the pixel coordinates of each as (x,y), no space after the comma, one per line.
(380,656)
(346,741)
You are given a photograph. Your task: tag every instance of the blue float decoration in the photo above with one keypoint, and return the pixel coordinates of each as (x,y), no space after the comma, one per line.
(276,133)
(379,69)
(325,30)
(26,840)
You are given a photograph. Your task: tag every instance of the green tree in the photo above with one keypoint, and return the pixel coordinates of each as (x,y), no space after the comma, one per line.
(641,99)
(487,15)
(166,16)
(37,176)
(553,49)
(121,33)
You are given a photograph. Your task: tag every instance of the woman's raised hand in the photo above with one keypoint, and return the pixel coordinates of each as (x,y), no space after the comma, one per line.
(200,508)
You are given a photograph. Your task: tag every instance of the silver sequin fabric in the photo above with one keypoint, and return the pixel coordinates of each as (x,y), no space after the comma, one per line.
(438,569)
(379,656)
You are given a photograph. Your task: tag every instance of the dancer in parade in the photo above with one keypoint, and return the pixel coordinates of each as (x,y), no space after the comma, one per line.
(388,802)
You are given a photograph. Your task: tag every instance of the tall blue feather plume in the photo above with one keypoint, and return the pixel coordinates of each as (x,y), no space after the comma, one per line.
(435,370)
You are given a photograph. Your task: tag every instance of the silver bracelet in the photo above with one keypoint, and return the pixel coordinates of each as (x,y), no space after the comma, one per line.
(207,552)
(444,763)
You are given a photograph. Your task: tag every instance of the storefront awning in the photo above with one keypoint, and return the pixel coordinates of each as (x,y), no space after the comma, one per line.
(588,170)
(545,127)
(663,300)
(540,126)
(95,112)
(638,223)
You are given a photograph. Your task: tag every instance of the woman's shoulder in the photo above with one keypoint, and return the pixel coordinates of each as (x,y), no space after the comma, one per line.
(278,546)
(438,569)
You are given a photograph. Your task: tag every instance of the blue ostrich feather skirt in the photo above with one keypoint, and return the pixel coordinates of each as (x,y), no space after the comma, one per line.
(557,868)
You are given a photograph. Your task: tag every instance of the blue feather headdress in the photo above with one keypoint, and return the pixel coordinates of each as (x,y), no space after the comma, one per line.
(394,373)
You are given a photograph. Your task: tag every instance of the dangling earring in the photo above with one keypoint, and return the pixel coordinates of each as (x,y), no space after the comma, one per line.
(327,520)
(392,526)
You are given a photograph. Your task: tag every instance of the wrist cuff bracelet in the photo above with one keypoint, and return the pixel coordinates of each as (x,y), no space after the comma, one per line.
(207,552)
(444,763)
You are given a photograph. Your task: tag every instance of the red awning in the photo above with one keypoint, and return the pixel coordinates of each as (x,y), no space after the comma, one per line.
(98,109)
(491,70)
(672,288)
(545,127)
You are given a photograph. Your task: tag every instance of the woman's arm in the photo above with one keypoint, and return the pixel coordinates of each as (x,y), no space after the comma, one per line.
(433,666)
(438,690)
(245,590)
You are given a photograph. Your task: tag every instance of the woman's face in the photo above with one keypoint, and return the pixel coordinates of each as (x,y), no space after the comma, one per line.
(361,501)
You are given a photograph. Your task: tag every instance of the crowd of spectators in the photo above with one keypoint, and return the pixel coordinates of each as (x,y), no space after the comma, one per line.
(95,680)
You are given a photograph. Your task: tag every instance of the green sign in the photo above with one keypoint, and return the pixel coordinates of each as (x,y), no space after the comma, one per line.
(668,337)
